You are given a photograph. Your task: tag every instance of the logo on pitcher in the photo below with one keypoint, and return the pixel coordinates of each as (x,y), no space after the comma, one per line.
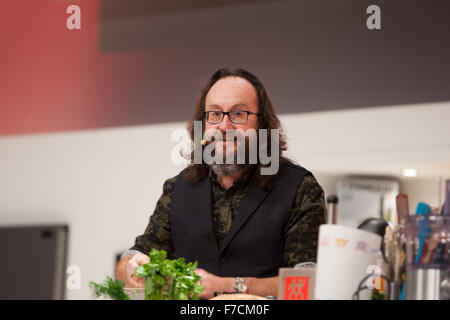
(361,245)
(324,242)
(341,242)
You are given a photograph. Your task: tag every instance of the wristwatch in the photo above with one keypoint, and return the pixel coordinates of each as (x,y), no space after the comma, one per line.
(239,285)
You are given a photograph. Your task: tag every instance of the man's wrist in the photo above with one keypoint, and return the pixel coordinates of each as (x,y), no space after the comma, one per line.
(227,285)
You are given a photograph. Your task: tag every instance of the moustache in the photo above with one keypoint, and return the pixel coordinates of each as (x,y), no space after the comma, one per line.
(224,137)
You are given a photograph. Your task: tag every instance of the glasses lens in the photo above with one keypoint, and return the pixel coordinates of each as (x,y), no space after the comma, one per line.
(214,116)
(238,116)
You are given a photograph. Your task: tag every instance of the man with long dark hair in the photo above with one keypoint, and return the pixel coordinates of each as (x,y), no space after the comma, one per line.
(239,223)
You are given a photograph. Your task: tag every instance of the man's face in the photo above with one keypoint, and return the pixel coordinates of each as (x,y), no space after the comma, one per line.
(232,94)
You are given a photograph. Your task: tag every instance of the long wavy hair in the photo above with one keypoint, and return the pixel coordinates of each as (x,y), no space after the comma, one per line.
(267,120)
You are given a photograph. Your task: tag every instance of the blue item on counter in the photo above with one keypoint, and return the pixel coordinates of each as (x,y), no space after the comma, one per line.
(424,229)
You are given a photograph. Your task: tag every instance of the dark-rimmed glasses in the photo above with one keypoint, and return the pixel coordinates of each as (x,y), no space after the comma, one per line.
(235,116)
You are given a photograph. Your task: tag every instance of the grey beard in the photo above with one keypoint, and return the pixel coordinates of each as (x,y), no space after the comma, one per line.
(226,169)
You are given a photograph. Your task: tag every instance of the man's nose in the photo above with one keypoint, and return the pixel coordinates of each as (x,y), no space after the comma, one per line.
(226,124)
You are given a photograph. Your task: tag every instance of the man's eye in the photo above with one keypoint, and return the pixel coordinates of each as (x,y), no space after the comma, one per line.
(216,114)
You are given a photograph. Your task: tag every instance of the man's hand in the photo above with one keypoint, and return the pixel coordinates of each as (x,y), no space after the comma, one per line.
(213,283)
(131,280)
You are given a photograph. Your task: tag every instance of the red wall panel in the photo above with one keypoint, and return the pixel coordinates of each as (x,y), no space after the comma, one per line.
(53,78)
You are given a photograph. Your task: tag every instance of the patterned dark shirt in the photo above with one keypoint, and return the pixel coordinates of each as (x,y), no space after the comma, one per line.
(307,213)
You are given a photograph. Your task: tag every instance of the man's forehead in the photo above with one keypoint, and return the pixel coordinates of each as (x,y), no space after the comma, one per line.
(231,90)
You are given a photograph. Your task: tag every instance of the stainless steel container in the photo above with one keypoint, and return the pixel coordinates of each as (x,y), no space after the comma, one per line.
(427,257)
(426,284)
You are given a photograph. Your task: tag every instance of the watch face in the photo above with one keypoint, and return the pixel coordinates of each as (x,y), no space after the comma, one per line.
(241,287)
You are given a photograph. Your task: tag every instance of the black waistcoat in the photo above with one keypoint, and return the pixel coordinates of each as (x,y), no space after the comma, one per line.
(254,245)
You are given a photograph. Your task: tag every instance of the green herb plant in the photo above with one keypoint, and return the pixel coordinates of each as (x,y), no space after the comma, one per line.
(167,279)
(110,288)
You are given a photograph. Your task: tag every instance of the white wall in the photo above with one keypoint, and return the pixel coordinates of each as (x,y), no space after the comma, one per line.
(105,183)
(425,190)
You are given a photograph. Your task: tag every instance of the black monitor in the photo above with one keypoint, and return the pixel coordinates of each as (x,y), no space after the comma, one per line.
(33,262)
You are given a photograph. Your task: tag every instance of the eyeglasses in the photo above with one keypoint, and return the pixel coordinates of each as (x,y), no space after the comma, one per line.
(235,116)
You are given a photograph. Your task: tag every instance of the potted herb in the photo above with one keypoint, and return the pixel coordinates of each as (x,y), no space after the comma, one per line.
(165,279)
